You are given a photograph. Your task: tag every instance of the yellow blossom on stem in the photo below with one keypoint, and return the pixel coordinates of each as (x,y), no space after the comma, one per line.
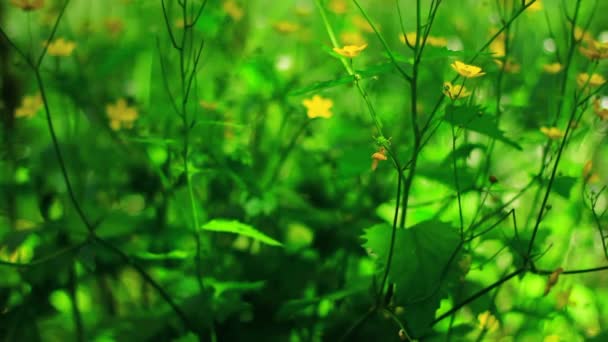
(60,47)
(30,105)
(582,35)
(377,157)
(552,68)
(536,6)
(121,115)
(552,132)
(594,80)
(285,27)
(233,10)
(466,70)
(350,51)
(487,321)
(455,92)
(28,5)
(594,50)
(318,107)
(589,175)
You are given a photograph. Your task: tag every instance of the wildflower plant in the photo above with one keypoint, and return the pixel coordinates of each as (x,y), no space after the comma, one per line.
(337,170)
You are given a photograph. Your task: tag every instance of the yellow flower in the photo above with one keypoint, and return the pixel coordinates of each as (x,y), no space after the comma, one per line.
(536,6)
(337,6)
(455,92)
(552,338)
(430,40)
(589,175)
(377,157)
(28,5)
(594,80)
(318,107)
(580,34)
(121,115)
(60,47)
(466,70)
(600,110)
(233,10)
(552,68)
(497,47)
(552,132)
(594,50)
(30,105)
(285,27)
(362,24)
(487,321)
(350,51)
(352,38)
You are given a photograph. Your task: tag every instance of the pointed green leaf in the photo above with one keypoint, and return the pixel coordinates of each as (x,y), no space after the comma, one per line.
(475,119)
(423,254)
(236,227)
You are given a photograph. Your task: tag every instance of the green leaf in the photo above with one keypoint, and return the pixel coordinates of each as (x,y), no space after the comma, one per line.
(422,256)
(462,152)
(233,226)
(562,185)
(365,73)
(172,255)
(475,119)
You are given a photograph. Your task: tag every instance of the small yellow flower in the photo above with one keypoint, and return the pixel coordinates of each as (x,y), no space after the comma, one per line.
(28,5)
(362,24)
(594,50)
(121,115)
(285,27)
(536,6)
(233,10)
(337,6)
(378,156)
(430,40)
(594,80)
(582,35)
(497,47)
(552,68)
(600,110)
(30,105)
(455,92)
(61,47)
(466,70)
(208,105)
(350,51)
(589,175)
(552,132)
(318,107)
(488,322)
(352,38)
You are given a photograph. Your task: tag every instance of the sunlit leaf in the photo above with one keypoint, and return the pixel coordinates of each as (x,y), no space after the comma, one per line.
(236,227)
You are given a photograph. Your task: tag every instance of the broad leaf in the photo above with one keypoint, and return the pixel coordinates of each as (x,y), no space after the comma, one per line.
(474,118)
(233,226)
(422,256)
